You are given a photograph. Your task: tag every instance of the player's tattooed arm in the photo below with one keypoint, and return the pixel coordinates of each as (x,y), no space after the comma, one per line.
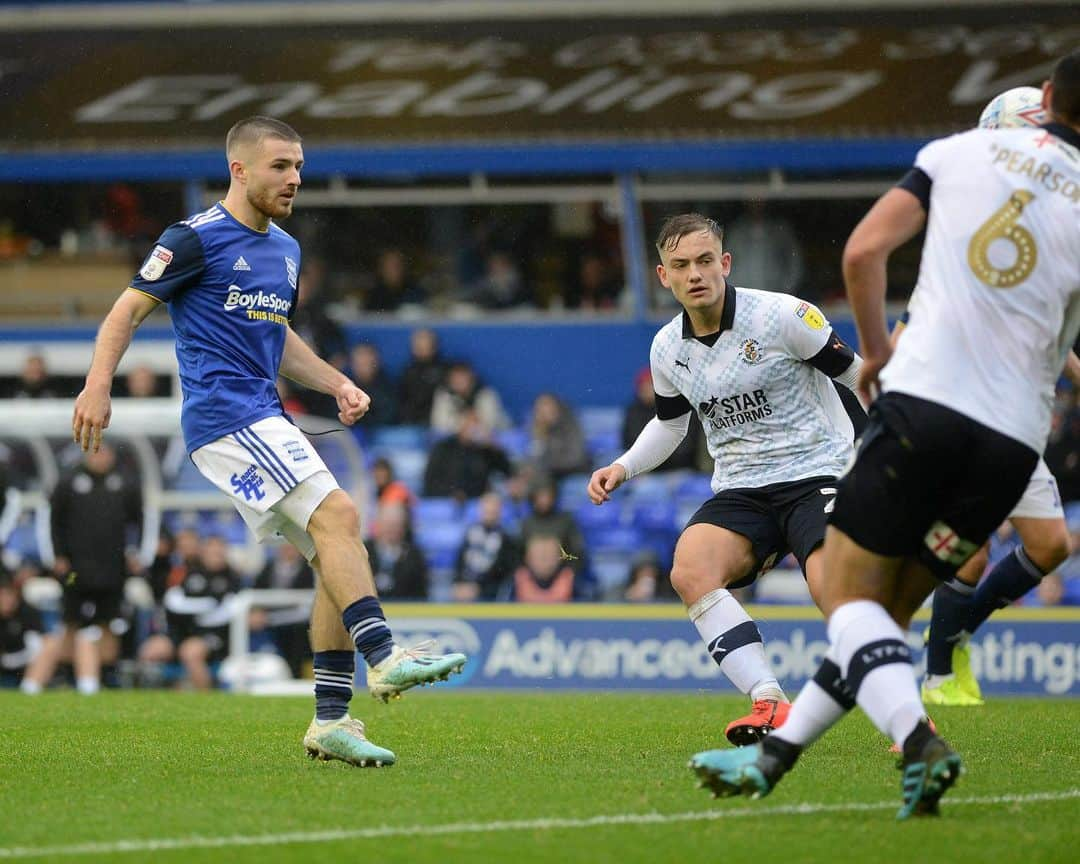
(302,365)
(93,406)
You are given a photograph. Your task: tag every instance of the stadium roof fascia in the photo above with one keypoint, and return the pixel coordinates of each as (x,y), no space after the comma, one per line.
(411,161)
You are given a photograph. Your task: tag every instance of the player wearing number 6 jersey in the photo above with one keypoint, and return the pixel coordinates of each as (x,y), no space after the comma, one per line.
(963,416)
(754,368)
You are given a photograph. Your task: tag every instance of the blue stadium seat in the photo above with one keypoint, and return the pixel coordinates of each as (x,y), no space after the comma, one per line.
(514,441)
(623,538)
(610,570)
(658,515)
(591,517)
(400,438)
(572,491)
(604,442)
(429,511)
(597,420)
(408,465)
(439,535)
(695,486)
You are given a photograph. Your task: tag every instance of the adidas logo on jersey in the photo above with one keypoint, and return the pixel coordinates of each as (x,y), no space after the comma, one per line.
(241,264)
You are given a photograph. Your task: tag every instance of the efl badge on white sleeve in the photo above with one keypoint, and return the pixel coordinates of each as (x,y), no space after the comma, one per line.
(156,263)
(811,316)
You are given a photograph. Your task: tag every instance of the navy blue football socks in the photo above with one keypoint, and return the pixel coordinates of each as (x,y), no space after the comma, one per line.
(1010,580)
(951,612)
(333,683)
(366,624)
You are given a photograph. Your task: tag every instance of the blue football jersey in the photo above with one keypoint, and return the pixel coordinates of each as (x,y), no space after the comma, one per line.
(231,291)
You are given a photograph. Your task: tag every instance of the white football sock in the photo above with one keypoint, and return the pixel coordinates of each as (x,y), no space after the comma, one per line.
(876,662)
(88,686)
(815,710)
(733,640)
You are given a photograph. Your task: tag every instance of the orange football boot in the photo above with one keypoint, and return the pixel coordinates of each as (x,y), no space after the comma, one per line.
(764,716)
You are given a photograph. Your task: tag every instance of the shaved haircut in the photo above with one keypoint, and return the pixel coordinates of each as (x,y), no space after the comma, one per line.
(252,130)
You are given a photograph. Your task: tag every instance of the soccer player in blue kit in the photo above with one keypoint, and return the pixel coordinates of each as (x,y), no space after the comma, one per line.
(229,277)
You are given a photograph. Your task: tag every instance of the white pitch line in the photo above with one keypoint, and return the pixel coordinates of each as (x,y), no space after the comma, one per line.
(196,842)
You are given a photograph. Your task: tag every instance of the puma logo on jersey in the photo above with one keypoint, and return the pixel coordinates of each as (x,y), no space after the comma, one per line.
(685,366)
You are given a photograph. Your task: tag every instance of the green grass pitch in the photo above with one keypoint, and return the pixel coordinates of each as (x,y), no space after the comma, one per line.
(537,777)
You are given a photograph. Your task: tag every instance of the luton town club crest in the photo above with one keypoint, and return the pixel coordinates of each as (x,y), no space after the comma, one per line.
(751,351)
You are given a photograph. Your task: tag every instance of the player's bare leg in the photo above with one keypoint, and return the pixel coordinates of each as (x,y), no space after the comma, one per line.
(90,642)
(333,734)
(345,574)
(960,607)
(194,653)
(815,575)
(708,558)
(869,655)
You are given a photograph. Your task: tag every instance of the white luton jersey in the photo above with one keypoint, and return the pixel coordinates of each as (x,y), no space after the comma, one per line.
(769,416)
(997,304)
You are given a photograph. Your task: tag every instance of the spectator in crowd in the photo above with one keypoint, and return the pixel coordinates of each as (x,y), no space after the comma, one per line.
(770,257)
(1063,448)
(462,391)
(464,465)
(488,556)
(198,609)
(393,285)
(647,582)
(95,512)
(516,490)
(142,383)
(501,286)
(548,521)
(287,628)
(557,448)
(598,284)
(422,375)
(311,321)
(34,380)
(21,632)
(10,498)
(397,564)
(388,489)
(365,364)
(545,576)
(642,410)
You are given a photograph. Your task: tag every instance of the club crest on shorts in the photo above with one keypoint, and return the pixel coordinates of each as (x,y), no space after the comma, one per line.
(155,264)
(296,450)
(249,484)
(751,351)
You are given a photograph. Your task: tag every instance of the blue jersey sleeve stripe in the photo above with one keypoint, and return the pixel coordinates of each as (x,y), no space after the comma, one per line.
(272,453)
(260,462)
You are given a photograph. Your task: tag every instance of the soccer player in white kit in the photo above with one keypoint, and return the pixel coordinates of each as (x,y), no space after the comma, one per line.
(229,277)
(956,433)
(756,368)
(962,604)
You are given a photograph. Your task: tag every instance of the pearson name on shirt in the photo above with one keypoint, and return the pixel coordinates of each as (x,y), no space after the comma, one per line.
(1019,162)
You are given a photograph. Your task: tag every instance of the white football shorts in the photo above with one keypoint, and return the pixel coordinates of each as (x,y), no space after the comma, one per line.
(274,477)
(1041,499)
